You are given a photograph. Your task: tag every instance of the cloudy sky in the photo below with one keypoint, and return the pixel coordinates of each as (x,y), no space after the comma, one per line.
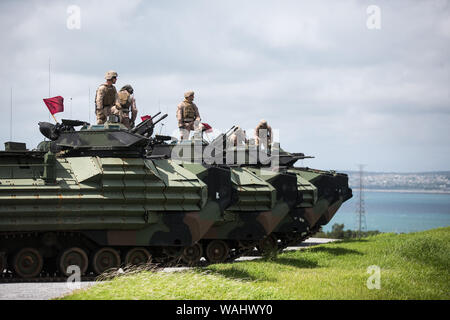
(321,72)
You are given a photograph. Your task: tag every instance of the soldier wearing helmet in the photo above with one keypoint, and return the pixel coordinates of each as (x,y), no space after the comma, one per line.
(188,116)
(263,134)
(127,103)
(106,99)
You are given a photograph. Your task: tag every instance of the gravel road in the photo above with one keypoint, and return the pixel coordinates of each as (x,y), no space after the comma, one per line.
(50,290)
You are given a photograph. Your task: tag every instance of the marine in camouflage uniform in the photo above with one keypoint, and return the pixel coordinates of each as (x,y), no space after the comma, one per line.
(188,116)
(263,134)
(127,103)
(106,99)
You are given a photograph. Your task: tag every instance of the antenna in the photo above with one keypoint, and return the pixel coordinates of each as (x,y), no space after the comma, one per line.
(167,112)
(49,63)
(89,106)
(360,206)
(49,92)
(11,117)
(70,107)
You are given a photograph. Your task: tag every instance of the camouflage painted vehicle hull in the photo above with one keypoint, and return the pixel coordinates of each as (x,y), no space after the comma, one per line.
(324,192)
(93,203)
(106,196)
(260,205)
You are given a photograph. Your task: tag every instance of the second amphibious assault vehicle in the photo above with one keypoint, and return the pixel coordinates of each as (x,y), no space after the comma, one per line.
(102,196)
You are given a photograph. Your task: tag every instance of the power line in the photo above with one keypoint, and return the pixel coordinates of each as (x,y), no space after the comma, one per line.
(360,205)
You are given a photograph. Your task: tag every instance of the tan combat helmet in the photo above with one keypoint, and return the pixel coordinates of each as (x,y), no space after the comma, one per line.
(262,123)
(187,94)
(127,87)
(110,74)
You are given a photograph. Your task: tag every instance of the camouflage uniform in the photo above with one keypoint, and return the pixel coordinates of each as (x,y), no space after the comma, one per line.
(188,116)
(263,134)
(106,99)
(127,103)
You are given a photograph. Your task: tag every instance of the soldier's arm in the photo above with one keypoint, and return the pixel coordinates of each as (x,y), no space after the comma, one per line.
(197,114)
(180,116)
(117,103)
(134,110)
(256,132)
(99,97)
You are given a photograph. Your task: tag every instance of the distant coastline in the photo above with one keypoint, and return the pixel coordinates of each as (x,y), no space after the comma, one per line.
(402,191)
(425,183)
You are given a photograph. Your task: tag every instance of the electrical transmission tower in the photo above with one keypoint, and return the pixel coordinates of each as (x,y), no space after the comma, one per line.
(360,207)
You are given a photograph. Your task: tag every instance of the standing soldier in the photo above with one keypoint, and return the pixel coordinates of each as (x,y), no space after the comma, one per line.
(188,116)
(263,134)
(106,98)
(127,103)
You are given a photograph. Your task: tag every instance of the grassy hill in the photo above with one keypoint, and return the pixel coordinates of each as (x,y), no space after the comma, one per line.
(413,266)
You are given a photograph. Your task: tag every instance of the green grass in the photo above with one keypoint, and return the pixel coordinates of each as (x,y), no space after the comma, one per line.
(413,266)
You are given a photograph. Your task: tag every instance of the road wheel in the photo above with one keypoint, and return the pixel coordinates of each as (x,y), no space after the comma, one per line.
(73,257)
(137,256)
(217,251)
(268,246)
(2,262)
(28,262)
(173,252)
(191,255)
(247,244)
(104,259)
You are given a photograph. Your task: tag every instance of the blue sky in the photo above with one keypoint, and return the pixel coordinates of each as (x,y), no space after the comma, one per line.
(334,88)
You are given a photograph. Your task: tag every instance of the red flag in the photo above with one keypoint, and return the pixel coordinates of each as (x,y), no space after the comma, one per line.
(143,118)
(55,104)
(207,127)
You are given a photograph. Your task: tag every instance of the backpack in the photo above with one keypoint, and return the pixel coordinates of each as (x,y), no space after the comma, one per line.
(124,97)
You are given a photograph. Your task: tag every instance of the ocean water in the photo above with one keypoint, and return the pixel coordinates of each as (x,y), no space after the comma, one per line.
(396,212)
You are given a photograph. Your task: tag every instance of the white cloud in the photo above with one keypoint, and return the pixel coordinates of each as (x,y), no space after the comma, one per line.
(334,88)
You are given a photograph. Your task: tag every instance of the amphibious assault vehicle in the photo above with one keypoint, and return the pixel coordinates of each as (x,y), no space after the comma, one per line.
(101,196)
